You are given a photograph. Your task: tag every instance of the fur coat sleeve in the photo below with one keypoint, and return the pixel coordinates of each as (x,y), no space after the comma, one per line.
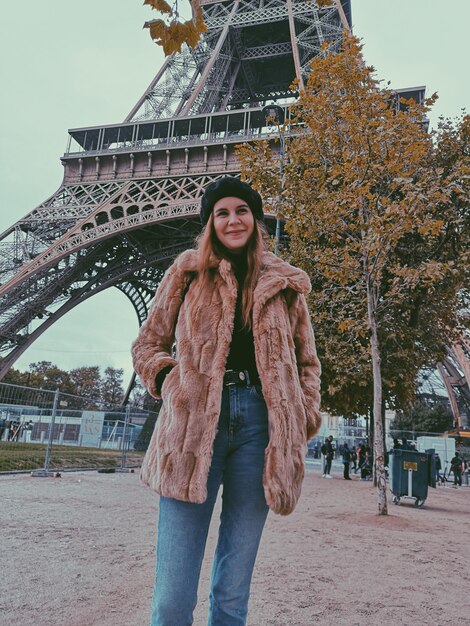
(153,349)
(308,364)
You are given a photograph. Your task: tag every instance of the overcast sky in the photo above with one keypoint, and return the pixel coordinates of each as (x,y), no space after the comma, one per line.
(71,64)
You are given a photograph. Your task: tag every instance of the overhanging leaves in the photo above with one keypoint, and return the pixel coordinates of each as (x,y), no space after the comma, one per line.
(170,33)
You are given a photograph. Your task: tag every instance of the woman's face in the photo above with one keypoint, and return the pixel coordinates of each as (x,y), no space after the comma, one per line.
(233,223)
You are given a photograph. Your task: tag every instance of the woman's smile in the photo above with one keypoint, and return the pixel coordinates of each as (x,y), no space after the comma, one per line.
(233,222)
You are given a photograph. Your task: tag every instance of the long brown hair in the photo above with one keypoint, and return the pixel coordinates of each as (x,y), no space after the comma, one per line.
(209,246)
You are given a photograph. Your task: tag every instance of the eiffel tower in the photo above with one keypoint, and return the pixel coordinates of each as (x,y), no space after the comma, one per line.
(128,202)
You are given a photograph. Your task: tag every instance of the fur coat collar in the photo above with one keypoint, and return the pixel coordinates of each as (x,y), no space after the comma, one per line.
(276,274)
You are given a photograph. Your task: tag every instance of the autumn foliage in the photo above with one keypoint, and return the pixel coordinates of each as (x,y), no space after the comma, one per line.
(376,211)
(170,32)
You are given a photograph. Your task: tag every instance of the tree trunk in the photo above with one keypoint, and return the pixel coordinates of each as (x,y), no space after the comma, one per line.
(379,454)
(383,435)
(384,408)
(371,437)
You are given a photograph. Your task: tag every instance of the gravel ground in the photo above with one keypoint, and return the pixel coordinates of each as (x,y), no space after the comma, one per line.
(79,550)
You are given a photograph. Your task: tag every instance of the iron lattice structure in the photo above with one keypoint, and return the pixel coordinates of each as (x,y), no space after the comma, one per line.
(128,202)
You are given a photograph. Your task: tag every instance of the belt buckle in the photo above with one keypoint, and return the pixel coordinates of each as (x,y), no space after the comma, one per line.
(241,375)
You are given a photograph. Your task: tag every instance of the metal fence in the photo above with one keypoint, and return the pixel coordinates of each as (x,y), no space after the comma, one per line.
(47,431)
(43,430)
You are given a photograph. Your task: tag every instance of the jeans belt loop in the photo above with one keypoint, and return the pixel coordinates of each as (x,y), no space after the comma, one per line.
(232,382)
(247,374)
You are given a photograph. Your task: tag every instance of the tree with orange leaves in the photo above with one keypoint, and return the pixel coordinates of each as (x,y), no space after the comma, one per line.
(376,212)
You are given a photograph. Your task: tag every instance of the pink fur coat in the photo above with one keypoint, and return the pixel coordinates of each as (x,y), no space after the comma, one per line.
(179,455)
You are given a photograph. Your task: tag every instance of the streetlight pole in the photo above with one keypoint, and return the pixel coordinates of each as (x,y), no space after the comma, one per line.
(278,211)
(275,113)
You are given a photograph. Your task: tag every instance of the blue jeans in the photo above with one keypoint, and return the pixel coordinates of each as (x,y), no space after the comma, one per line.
(237,462)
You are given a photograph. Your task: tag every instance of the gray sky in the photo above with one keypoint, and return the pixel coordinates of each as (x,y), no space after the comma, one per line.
(71,64)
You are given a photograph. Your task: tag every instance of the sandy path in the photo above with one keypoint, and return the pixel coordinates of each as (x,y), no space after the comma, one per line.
(79,550)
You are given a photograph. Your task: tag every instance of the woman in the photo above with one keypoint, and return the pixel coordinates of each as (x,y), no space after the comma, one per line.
(240,400)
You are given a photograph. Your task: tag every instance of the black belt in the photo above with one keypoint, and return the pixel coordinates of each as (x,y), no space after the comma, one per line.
(240,377)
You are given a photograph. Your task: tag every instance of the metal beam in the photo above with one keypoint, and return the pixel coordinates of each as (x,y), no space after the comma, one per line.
(161,72)
(210,64)
(295,50)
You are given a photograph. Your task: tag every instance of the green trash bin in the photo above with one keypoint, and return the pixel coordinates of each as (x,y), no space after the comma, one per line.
(409,475)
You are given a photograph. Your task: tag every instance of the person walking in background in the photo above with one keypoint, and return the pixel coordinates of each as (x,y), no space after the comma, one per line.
(329,454)
(346,461)
(323,457)
(405,445)
(366,466)
(361,454)
(456,467)
(240,401)
(353,459)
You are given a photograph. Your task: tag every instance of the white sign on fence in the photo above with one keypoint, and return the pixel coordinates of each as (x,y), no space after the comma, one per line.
(91,428)
(444,446)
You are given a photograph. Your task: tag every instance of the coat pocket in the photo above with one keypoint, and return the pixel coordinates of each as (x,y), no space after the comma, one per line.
(169,382)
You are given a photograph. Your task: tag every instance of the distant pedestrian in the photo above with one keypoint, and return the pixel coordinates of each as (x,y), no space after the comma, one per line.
(405,445)
(346,461)
(366,466)
(354,459)
(456,467)
(361,454)
(14,428)
(328,454)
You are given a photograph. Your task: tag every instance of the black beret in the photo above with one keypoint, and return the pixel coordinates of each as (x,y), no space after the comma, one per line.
(228,186)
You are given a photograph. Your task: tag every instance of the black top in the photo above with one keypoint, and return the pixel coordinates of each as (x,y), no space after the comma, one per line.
(242,349)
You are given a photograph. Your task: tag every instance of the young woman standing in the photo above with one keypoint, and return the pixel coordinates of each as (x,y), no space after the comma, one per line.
(240,400)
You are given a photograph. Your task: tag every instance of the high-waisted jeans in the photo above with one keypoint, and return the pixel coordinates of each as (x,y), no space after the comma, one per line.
(237,463)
